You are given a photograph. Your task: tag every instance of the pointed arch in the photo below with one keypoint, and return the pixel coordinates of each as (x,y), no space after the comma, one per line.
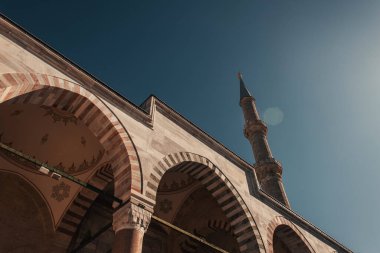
(298,244)
(213,179)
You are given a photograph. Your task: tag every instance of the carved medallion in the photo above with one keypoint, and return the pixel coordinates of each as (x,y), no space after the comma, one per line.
(60,191)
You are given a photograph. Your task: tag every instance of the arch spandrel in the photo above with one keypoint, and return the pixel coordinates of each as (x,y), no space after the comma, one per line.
(215,182)
(57,194)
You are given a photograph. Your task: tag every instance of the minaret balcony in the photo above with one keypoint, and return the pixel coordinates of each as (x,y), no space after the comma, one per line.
(253,127)
(270,160)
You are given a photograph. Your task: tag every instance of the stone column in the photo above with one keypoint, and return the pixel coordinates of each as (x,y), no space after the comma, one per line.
(130,222)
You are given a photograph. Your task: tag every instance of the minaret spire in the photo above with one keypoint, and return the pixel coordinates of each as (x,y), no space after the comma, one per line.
(244,92)
(268,170)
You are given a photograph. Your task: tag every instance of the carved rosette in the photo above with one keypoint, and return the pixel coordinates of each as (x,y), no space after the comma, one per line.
(131,216)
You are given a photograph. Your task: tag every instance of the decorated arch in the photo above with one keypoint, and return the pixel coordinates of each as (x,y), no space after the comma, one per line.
(292,238)
(47,91)
(218,185)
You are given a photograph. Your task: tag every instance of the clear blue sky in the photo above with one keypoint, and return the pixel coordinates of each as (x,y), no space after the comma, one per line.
(317,62)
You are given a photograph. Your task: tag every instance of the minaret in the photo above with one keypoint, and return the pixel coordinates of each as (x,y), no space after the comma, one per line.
(268,170)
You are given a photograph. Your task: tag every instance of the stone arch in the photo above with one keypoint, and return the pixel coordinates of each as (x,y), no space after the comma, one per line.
(82,207)
(213,179)
(297,245)
(26,211)
(42,89)
(87,107)
(78,208)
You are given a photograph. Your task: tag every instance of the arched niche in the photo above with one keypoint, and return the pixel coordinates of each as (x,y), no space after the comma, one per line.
(25,219)
(284,237)
(204,202)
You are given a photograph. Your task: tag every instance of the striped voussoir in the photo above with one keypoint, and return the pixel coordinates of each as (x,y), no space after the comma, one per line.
(42,89)
(83,201)
(290,234)
(212,178)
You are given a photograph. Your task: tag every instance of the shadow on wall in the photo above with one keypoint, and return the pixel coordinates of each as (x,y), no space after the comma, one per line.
(26,224)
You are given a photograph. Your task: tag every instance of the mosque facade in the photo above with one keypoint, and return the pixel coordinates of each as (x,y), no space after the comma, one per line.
(82,169)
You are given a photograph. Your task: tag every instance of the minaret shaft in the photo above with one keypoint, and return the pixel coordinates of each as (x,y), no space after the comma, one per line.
(255,130)
(268,170)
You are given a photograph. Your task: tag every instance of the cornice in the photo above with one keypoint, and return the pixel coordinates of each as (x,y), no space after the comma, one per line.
(49,55)
(307,225)
(145,113)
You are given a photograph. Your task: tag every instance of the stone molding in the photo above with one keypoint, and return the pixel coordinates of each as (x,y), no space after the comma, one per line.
(131,216)
(246,100)
(268,170)
(252,128)
(32,44)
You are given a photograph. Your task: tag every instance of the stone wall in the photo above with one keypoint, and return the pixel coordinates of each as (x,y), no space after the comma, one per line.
(157,134)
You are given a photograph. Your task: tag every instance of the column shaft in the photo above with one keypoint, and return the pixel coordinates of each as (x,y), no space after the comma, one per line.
(130,223)
(128,241)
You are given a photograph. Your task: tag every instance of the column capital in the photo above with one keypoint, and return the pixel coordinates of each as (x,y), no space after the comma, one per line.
(131,216)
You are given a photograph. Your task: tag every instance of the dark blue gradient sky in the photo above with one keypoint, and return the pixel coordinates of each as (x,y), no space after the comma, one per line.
(316,62)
